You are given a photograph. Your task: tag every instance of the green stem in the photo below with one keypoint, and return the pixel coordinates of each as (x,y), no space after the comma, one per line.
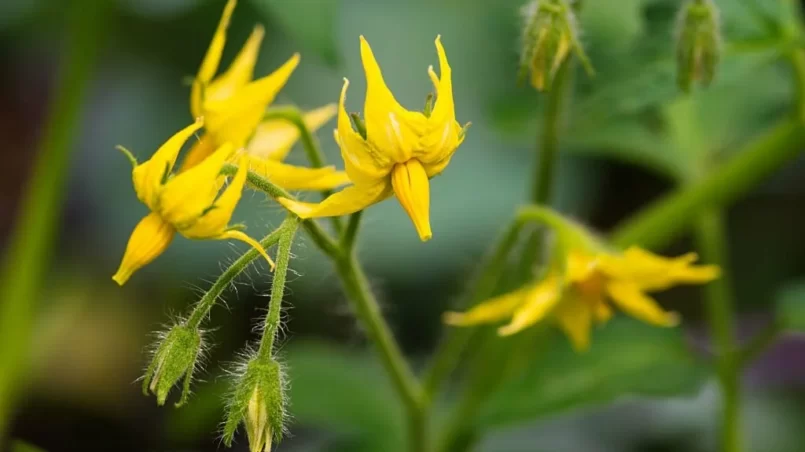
(351,233)
(368,311)
(660,222)
(797,59)
(711,236)
(272,322)
(31,242)
(451,349)
(202,309)
(309,142)
(495,362)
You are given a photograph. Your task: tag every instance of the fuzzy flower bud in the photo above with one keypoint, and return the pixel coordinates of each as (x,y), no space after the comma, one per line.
(257,401)
(175,357)
(698,46)
(549,35)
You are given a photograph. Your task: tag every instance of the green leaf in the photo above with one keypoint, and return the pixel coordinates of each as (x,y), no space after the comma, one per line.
(309,22)
(627,359)
(790,306)
(22,446)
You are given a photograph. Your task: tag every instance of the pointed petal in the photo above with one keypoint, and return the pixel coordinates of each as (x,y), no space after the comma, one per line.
(574,318)
(363,164)
(411,185)
(580,266)
(200,150)
(632,301)
(209,66)
(539,302)
(347,201)
(489,311)
(187,197)
(240,235)
(236,119)
(150,238)
(653,272)
(443,132)
(292,177)
(152,174)
(275,138)
(390,128)
(240,72)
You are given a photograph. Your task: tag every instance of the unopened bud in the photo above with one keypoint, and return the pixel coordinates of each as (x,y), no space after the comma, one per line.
(550,33)
(698,43)
(257,401)
(175,357)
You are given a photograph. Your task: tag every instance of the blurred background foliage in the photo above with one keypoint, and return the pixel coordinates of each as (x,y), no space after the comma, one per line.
(630,135)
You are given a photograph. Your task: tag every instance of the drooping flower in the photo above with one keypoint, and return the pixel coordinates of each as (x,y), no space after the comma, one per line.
(591,285)
(396,152)
(233,105)
(191,202)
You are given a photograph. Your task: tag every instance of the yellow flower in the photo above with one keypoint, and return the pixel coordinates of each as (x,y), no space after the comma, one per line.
(592,284)
(190,203)
(400,151)
(233,106)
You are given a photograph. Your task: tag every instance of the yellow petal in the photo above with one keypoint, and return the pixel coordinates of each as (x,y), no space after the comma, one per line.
(209,66)
(202,149)
(152,174)
(602,312)
(574,318)
(410,183)
(275,138)
(240,235)
(489,311)
(150,238)
(240,72)
(292,177)
(186,197)
(347,201)
(580,266)
(363,163)
(632,301)
(235,119)
(652,272)
(539,302)
(442,135)
(390,128)
(215,214)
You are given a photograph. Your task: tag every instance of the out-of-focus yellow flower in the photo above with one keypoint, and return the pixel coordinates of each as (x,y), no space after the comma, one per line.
(233,106)
(399,152)
(592,284)
(190,203)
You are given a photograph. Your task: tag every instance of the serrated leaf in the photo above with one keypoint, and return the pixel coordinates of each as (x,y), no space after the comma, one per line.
(310,22)
(627,359)
(790,307)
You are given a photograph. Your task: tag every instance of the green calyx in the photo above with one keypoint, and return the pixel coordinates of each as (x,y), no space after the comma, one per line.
(257,400)
(175,357)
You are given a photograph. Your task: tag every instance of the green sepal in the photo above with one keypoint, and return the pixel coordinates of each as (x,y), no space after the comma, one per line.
(176,357)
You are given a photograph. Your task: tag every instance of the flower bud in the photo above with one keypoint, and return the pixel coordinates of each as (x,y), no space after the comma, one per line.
(258,401)
(175,357)
(549,34)
(698,43)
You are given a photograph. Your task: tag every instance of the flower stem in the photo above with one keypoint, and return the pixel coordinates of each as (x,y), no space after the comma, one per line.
(451,349)
(30,244)
(548,143)
(202,309)
(309,142)
(272,323)
(368,311)
(710,234)
(661,221)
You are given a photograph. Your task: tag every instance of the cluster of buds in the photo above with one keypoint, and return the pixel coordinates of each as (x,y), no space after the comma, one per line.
(698,45)
(176,355)
(550,33)
(258,402)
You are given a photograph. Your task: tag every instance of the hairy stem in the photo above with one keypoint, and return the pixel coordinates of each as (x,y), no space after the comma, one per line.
(32,239)
(202,309)
(272,323)
(711,237)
